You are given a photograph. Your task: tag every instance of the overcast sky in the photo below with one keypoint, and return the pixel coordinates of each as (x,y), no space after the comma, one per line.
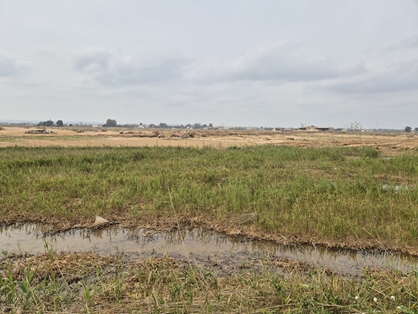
(226,62)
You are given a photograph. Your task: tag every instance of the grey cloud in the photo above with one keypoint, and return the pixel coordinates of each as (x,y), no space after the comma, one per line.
(131,72)
(10,66)
(280,62)
(408,43)
(128,71)
(395,77)
(91,60)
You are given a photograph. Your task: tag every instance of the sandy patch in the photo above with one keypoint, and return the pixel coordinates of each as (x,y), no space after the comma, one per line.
(389,143)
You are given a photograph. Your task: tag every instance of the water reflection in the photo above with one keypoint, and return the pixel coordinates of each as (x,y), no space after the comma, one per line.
(197,244)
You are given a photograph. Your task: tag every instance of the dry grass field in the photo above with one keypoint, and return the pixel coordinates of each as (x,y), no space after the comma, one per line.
(388,143)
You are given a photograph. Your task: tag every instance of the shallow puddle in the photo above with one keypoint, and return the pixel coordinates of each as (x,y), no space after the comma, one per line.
(197,245)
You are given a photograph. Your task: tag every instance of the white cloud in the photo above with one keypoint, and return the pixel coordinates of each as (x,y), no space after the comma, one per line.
(106,69)
(393,77)
(11,66)
(278,62)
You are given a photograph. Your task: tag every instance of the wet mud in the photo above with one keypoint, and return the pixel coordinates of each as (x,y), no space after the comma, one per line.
(199,246)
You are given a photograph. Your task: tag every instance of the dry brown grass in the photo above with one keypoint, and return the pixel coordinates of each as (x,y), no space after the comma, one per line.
(388,143)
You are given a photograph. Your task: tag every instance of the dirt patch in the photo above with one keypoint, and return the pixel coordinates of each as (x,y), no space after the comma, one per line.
(389,144)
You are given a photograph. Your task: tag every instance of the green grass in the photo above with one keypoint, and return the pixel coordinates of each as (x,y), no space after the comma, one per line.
(328,194)
(76,283)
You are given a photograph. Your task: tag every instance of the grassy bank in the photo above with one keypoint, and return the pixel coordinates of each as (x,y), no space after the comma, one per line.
(327,194)
(89,283)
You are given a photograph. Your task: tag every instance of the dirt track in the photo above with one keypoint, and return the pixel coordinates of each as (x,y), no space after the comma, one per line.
(388,143)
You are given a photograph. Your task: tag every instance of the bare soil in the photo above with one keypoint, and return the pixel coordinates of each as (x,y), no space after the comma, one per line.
(388,143)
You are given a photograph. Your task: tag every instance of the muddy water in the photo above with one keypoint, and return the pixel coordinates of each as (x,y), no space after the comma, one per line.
(197,245)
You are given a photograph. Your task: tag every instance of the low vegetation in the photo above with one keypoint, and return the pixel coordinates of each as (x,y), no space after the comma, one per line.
(75,283)
(329,195)
(347,197)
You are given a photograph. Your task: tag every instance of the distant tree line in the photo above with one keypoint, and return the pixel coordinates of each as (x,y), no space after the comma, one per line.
(113,123)
(182,126)
(49,122)
(408,129)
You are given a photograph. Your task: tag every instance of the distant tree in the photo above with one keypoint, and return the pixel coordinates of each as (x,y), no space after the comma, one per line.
(163,125)
(416,130)
(210,125)
(408,129)
(60,123)
(355,126)
(110,123)
(46,123)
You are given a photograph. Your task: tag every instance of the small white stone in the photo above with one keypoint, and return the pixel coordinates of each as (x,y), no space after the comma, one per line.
(100,221)
(356,297)
(392,297)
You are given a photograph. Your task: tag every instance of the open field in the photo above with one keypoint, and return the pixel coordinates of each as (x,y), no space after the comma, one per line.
(345,191)
(388,143)
(341,197)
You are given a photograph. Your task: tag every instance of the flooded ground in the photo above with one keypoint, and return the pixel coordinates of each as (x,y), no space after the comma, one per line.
(199,246)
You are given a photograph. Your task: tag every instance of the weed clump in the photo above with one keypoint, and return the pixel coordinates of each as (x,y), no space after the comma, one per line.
(369,152)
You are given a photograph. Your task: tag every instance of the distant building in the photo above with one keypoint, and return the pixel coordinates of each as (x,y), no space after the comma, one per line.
(315,128)
(326,129)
